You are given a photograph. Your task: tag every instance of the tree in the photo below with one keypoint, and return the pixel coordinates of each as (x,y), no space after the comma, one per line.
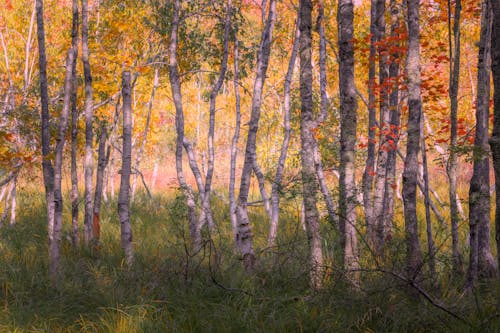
(348,123)
(48,170)
(370,154)
(307,152)
(277,183)
(55,242)
(244,232)
(495,137)
(74,129)
(123,197)
(410,174)
(453,159)
(89,133)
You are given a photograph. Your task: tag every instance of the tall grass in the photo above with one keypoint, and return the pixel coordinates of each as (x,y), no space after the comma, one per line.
(172,289)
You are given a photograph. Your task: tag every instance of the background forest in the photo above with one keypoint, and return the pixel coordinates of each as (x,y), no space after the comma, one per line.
(249,165)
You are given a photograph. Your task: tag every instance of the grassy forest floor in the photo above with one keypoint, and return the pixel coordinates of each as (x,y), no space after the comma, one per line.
(170,289)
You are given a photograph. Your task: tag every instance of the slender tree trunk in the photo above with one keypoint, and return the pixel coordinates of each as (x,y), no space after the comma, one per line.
(384,134)
(89,134)
(495,138)
(236,136)
(123,197)
(308,145)
(348,123)
(207,191)
(74,131)
(156,83)
(55,244)
(453,159)
(179,124)
(482,262)
(102,161)
(410,174)
(391,182)
(330,205)
(48,171)
(430,239)
(244,234)
(370,154)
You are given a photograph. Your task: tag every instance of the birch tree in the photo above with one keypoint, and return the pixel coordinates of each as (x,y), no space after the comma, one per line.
(410,174)
(287,129)
(48,170)
(453,159)
(369,171)
(348,123)
(123,196)
(244,232)
(74,128)
(307,124)
(89,133)
(55,242)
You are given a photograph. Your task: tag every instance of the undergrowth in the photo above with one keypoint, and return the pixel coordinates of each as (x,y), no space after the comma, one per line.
(172,289)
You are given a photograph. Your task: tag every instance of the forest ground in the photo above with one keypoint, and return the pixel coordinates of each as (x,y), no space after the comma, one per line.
(171,289)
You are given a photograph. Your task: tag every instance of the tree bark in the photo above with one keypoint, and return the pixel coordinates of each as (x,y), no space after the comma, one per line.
(89,134)
(330,205)
(48,171)
(410,174)
(74,131)
(495,138)
(55,242)
(308,145)
(384,132)
(481,262)
(207,190)
(348,123)
(102,161)
(236,136)
(244,234)
(370,153)
(395,126)
(123,197)
(453,159)
(175,86)
(428,223)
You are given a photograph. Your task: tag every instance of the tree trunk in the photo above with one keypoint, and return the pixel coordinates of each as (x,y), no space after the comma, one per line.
(330,205)
(370,154)
(430,239)
(348,122)
(179,124)
(410,174)
(236,136)
(391,182)
(123,197)
(13,202)
(308,145)
(384,132)
(89,134)
(481,261)
(244,234)
(55,242)
(453,159)
(495,138)
(102,161)
(74,131)
(48,171)
(207,191)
